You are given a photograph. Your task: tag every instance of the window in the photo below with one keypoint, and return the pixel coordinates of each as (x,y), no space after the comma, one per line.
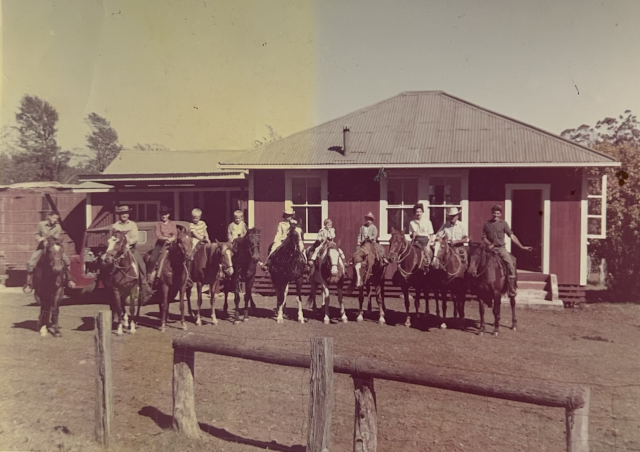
(402,195)
(143,210)
(444,192)
(306,193)
(597,207)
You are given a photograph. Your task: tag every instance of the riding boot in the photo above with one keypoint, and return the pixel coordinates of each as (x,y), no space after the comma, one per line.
(512,286)
(28,287)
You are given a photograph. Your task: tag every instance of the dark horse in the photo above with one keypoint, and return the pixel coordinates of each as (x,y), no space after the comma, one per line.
(368,273)
(330,269)
(449,275)
(123,279)
(246,254)
(209,263)
(413,265)
(489,279)
(48,283)
(287,266)
(173,274)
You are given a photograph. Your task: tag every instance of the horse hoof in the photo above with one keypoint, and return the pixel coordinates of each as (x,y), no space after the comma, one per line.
(43,331)
(513,328)
(57,333)
(237,322)
(132,330)
(279,320)
(495,334)
(360,318)
(382,321)
(480,333)
(345,319)
(246,319)
(443,326)
(199,322)
(407,323)
(184,326)
(327,321)
(163,329)
(119,332)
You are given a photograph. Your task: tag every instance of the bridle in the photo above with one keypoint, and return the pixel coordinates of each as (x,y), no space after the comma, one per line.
(451,253)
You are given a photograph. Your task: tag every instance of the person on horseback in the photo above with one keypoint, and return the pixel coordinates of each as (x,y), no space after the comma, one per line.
(166,233)
(47,228)
(493,237)
(421,228)
(281,234)
(326,235)
(130,229)
(369,231)
(237,228)
(198,229)
(455,233)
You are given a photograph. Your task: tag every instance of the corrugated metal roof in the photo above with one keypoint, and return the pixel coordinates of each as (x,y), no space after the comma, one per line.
(422,128)
(143,165)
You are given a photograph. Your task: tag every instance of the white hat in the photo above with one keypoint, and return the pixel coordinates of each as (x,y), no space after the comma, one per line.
(288,211)
(451,211)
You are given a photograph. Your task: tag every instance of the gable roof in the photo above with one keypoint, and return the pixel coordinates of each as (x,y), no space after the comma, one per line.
(162,165)
(422,129)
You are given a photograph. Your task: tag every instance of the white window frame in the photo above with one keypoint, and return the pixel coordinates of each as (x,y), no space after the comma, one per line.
(546,220)
(603,205)
(423,194)
(324,198)
(139,203)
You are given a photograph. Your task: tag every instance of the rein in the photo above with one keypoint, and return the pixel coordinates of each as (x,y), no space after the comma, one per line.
(124,269)
(450,260)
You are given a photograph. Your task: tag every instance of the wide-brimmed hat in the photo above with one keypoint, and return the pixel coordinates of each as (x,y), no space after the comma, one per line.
(165,209)
(370,215)
(289,212)
(452,211)
(123,209)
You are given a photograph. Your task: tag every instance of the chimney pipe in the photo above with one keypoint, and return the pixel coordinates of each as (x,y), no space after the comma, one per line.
(345,141)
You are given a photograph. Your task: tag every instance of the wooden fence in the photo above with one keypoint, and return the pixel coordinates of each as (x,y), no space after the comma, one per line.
(322,363)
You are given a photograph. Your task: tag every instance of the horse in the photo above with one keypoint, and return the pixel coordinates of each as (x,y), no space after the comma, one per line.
(287,266)
(246,254)
(48,283)
(173,273)
(413,265)
(490,282)
(208,264)
(330,269)
(368,272)
(449,275)
(122,278)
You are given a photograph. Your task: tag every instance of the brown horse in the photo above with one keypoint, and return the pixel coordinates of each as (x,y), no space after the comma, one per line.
(208,265)
(368,273)
(413,265)
(245,259)
(449,275)
(122,279)
(173,274)
(489,282)
(48,283)
(330,269)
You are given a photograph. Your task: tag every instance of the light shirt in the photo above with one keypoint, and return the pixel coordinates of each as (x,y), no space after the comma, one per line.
(236,230)
(199,230)
(130,229)
(281,233)
(165,231)
(453,231)
(422,228)
(494,232)
(370,232)
(45,229)
(326,234)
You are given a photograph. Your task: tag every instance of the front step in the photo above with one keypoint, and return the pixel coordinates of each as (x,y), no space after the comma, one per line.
(534,299)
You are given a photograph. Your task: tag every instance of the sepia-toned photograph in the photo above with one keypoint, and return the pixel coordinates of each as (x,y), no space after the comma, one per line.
(320,225)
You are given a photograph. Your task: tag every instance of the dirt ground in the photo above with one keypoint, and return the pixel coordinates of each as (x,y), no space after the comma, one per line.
(48,388)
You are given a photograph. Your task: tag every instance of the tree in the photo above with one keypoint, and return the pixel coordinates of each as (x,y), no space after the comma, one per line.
(37,121)
(619,138)
(150,147)
(271,137)
(103,140)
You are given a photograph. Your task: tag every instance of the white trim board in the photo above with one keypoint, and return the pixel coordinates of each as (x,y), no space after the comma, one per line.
(251,204)
(338,165)
(324,194)
(584,242)
(546,220)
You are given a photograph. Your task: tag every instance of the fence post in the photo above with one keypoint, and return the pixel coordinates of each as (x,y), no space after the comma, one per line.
(184,410)
(320,395)
(577,425)
(104,385)
(365,431)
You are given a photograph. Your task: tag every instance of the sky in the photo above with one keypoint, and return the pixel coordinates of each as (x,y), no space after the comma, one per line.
(212,74)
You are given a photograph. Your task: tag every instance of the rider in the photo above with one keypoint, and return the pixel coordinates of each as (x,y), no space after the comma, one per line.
(493,236)
(47,228)
(166,233)
(124,224)
(455,232)
(368,231)
(281,234)
(237,228)
(421,228)
(325,235)
(198,229)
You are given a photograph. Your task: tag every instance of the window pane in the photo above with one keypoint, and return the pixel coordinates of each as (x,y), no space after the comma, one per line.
(594,226)
(298,190)
(394,219)
(595,206)
(394,191)
(152,212)
(410,191)
(142,237)
(314,190)
(445,190)
(407,216)
(436,215)
(595,186)
(314,216)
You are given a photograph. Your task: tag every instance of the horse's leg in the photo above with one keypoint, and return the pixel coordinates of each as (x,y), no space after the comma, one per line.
(55,312)
(443,297)
(326,302)
(405,292)
(199,294)
(380,300)
(236,301)
(45,315)
(119,310)
(299,299)
(481,308)
(343,312)
(281,297)
(361,302)
(164,306)
(496,314)
(514,321)
(248,298)
(416,301)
